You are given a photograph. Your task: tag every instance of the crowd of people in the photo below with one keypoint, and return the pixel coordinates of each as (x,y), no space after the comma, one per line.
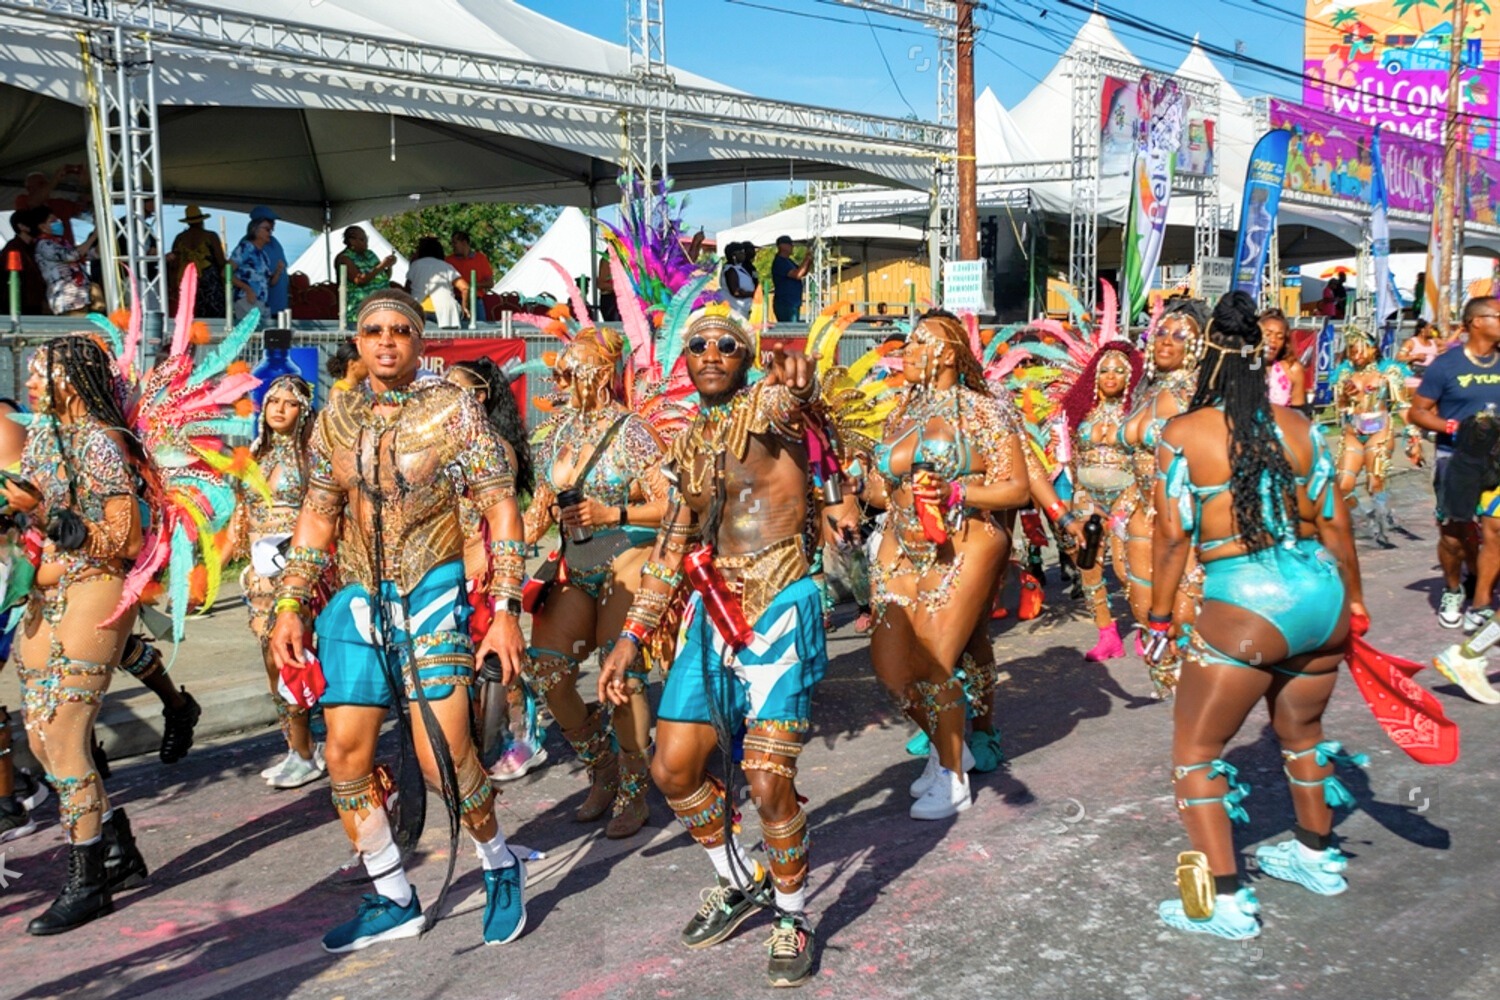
(697,518)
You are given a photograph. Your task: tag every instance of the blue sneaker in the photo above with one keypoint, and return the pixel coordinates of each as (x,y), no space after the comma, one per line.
(1234,917)
(379,919)
(918,745)
(1286,861)
(504,903)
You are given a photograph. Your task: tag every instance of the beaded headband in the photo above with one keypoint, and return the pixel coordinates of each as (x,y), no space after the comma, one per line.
(377,302)
(715,321)
(292,385)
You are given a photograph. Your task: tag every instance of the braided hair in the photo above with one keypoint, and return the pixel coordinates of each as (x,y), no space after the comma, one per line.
(91,373)
(1233,377)
(504,415)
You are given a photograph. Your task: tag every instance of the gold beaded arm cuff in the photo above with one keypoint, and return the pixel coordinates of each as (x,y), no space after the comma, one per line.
(507,567)
(324,499)
(648,609)
(108,538)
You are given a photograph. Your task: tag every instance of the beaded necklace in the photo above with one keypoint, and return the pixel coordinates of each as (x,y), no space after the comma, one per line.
(388,397)
(284,456)
(707,437)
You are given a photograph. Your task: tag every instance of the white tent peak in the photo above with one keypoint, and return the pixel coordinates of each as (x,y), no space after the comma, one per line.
(565,241)
(1045,115)
(997,138)
(1196,65)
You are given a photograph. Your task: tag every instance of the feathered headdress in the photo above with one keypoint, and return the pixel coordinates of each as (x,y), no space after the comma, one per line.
(183,413)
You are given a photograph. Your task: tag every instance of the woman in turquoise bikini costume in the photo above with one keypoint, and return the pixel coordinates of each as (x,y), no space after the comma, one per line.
(624,499)
(1172,361)
(929,600)
(1250,488)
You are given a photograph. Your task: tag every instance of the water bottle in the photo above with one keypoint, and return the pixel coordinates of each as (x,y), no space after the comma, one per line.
(277,362)
(723,610)
(572,498)
(1093,533)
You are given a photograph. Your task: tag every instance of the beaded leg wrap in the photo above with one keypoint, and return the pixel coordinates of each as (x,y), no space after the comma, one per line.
(932,698)
(77,798)
(764,752)
(595,745)
(45,691)
(476,799)
(1230,800)
(1097,594)
(548,668)
(702,813)
(635,773)
(360,796)
(451,668)
(786,846)
(979,681)
(1326,754)
(285,714)
(140,659)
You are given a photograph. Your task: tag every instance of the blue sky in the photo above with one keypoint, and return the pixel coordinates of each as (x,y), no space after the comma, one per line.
(882,65)
(837,57)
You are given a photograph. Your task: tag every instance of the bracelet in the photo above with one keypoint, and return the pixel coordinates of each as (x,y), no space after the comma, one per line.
(1450,428)
(1057,510)
(304,554)
(637,632)
(1068,518)
(624,515)
(627,634)
(660,572)
(285,604)
(1154,620)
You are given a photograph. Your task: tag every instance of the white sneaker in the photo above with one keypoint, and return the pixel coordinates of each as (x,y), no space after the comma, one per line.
(278,767)
(1468,673)
(298,771)
(318,761)
(1477,618)
(947,796)
(1451,609)
(934,765)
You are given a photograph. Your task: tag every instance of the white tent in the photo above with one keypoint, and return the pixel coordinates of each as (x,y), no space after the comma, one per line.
(243,126)
(565,241)
(316,259)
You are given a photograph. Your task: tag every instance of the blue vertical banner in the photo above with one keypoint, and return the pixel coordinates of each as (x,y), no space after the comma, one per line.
(1263,181)
(1327,350)
(1387,300)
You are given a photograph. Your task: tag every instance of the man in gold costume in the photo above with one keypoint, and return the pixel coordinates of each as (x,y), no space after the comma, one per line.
(388,462)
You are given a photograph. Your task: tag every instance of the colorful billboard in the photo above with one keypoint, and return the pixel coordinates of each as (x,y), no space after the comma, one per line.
(1386,63)
(1126,104)
(1330,156)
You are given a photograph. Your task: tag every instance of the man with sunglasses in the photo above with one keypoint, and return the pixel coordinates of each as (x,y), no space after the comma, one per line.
(388,461)
(751,646)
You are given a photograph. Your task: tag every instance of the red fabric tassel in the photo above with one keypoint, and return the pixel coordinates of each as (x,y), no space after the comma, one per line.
(1410,714)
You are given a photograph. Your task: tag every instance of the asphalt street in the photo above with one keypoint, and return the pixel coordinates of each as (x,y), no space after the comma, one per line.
(1047,887)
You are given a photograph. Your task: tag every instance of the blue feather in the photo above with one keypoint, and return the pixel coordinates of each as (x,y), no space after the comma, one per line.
(116,342)
(674,326)
(222,356)
(180,569)
(230,427)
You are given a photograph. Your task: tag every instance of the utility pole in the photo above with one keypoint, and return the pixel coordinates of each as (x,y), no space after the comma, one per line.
(968,166)
(1455,136)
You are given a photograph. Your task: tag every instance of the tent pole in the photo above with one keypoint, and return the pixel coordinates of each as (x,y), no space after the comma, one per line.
(593,243)
(328,236)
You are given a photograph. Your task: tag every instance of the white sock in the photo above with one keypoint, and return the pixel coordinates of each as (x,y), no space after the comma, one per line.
(107,815)
(393,884)
(1308,854)
(734,872)
(494,854)
(792,902)
(86,843)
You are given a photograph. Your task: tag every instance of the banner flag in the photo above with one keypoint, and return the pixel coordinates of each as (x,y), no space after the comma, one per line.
(1263,180)
(1151,192)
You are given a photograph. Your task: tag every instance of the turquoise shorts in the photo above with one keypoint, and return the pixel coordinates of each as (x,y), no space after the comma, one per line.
(771,680)
(355,665)
(1297,589)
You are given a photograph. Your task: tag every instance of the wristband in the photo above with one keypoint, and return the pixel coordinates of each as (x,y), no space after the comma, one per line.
(627,634)
(638,631)
(956,494)
(1157,622)
(1057,510)
(1450,428)
(624,515)
(286,604)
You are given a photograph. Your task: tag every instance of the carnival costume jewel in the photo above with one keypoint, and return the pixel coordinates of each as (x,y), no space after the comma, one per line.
(182,414)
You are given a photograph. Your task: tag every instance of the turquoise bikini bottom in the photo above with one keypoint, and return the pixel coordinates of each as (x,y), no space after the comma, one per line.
(1297,589)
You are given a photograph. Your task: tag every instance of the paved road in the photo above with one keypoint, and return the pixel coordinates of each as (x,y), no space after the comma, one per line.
(1046,888)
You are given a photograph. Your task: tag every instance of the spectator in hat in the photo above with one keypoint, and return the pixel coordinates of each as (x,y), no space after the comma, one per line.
(198,246)
(280,293)
(786,281)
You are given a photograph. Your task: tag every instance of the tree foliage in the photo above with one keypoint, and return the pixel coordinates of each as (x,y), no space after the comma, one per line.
(501,231)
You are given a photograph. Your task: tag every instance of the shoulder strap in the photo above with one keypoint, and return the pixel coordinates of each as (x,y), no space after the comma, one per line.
(604,444)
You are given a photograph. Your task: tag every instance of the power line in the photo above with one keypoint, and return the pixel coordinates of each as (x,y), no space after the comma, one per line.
(888,71)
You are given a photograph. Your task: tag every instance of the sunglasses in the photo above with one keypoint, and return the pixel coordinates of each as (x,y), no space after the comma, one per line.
(401,331)
(727,346)
(1178,333)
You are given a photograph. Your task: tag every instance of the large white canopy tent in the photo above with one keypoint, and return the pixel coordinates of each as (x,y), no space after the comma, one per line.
(248,116)
(567,241)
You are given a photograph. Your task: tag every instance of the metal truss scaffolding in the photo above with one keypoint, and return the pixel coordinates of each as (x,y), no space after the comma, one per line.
(646,123)
(125,161)
(1089,69)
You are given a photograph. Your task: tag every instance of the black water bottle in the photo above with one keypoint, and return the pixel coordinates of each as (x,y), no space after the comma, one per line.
(1093,533)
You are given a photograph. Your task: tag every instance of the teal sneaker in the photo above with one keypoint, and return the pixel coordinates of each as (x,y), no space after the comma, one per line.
(379,919)
(918,745)
(504,903)
(1324,876)
(985,747)
(1234,917)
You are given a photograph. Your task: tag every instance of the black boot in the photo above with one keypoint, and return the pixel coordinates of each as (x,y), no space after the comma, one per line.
(177,729)
(124,868)
(84,896)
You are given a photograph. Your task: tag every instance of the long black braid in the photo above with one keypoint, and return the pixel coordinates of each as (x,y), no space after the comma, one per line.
(1233,376)
(504,416)
(88,370)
